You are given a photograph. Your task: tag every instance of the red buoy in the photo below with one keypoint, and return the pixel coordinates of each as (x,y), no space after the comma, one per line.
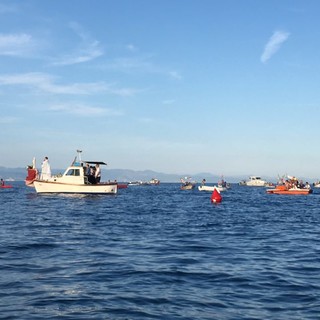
(216,196)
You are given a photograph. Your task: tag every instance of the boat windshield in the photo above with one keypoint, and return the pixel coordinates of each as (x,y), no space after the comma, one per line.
(73,172)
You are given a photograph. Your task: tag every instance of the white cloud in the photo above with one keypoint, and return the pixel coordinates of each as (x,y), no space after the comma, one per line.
(87,53)
(84,110)
(87,50)
(16,44)
(274,44)
(142,65)
(46,83)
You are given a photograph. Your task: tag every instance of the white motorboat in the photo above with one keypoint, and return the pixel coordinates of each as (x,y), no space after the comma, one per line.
(316,184)
(75,180)
(154,182)
(211,188)
(254,181)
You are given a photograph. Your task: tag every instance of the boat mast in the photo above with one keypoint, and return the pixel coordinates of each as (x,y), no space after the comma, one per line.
(79,155)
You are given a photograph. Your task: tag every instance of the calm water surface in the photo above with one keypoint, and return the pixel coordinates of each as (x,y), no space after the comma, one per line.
(155,252)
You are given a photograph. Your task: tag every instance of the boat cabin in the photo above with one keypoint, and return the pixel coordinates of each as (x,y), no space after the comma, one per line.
(76,173)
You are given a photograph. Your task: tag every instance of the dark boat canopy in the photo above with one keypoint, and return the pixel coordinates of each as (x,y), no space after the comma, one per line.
(95,162)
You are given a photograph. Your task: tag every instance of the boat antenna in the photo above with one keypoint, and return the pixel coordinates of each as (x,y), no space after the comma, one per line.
(79,154)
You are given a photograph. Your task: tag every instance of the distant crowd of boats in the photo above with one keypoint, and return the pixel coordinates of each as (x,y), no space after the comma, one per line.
(286,185)
(76,179)
(152,182)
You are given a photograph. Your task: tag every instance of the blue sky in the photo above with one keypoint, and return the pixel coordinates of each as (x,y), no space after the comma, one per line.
(177,86)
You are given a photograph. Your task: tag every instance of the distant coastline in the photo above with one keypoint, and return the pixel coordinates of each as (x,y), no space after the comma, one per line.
(127,175)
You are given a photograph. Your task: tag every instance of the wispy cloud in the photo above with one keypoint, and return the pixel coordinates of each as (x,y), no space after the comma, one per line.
(84,110)
(16,44)
(274,44)
(87,50)
(47,84)
(142,64)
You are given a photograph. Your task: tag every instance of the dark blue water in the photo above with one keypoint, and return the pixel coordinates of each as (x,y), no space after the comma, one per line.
(159,253)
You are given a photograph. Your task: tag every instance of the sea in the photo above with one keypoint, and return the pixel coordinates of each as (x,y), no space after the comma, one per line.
(158,252)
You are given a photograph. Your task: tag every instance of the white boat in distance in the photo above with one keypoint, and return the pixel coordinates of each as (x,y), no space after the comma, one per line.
(211,188)
(316,184)
(254,181)
(74,180)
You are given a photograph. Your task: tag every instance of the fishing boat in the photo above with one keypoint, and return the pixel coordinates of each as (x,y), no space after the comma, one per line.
(211,188)
(281,189)
(3,185)
(154,182)
(187,184)
(6,186)
(291,185)
(316,184)
(75,180)
(135,183)
(223,184)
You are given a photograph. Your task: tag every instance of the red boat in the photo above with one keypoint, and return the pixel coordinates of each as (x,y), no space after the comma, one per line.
(8,186)
(284,190)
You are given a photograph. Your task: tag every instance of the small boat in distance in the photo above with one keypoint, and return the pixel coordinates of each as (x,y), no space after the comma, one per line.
(75,180)
(285,190)
(3,185)
(292,186)
(187,184)
(316,184)
(222,186)
(254,181)
(154,182)
(211,188)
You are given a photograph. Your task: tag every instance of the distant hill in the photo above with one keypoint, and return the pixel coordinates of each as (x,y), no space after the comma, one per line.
(146,175)
(127,175)
(124,175)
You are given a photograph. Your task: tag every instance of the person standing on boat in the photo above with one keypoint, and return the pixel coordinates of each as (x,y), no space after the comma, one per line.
(98,173)
(87,170)
(1,182)
(45,169)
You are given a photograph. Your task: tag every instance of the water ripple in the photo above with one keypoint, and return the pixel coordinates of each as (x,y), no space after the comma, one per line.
(159,253)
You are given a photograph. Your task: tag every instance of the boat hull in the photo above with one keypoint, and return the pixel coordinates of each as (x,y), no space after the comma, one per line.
(211,188)
(187,187)
(292,191)
(254,181)
(256,184)
(58,187)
